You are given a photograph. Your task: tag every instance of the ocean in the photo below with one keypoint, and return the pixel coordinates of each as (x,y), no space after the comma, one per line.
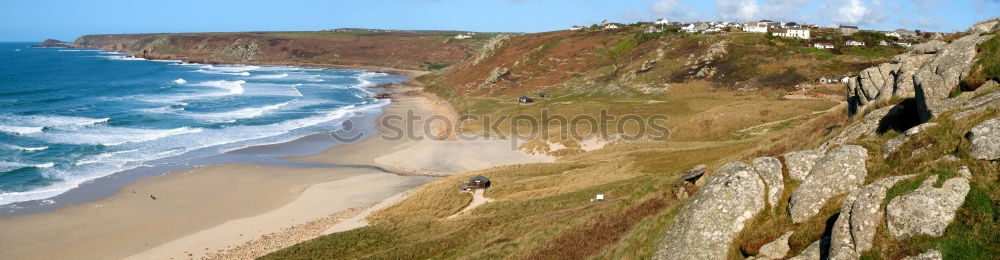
(70,116)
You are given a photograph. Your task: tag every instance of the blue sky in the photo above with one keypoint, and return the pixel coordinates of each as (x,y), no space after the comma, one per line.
(34,20)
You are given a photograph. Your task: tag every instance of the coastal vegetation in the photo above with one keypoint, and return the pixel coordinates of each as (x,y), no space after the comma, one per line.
(729,97)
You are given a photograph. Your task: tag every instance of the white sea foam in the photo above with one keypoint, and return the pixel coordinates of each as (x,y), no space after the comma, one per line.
(114,136)
(180,81)
(230,68)
(77,50)
(239,73)
(170,61)
(234,87)
(244,113)
(21,130)
(36,123)
(272,89)
(274,76)
(126,58)
(99,158)
(10,166)
(22,148)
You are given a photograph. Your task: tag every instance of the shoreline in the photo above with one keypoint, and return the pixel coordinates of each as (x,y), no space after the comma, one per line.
(232,207)
(264,153)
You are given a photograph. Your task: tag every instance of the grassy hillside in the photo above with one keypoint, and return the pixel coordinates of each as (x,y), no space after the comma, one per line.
(544,211)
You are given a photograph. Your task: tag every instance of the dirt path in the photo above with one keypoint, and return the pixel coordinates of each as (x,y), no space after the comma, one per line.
(477,200)
(840,105)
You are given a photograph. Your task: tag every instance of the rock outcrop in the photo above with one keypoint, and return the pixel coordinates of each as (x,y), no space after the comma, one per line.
(801,162)
(932,254)
(927,210)
(842,170)
(942,73)
(242,50)
(717,212)
(930,47)
(813,251)
(860,216)
(777,249)
(985,139)
(769,169)
(52,43)
(928,72)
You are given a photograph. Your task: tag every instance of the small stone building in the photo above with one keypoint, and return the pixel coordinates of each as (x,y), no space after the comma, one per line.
(525,99)
(478,182)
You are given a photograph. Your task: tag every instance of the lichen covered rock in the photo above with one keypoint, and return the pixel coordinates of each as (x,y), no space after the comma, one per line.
(801,162)
(927,210)
(842,170)
(769,169)
(777,249)
(707,225)
(985,139)
(939,75)
(860,216)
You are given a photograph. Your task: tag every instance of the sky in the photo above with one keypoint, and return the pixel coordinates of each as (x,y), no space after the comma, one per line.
(35,20)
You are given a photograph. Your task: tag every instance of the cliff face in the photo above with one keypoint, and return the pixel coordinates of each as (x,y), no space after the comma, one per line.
(402,50)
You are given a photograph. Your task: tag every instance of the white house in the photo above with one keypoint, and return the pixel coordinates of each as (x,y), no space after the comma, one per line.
(892,34)
(855,43)
(757,27)
(661,21)
(611,26)
(463,36)
(845,80)
(800,33)
(904,44)
(823,45)
(576,27)
(695,27)
(689,28)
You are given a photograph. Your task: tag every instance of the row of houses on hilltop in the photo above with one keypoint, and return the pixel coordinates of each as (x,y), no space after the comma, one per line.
(779,29)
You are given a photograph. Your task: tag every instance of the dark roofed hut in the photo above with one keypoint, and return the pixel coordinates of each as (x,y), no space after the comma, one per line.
(525,99)
(478,182)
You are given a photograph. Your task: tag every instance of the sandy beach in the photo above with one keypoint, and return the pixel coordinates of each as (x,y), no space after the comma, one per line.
(240,210)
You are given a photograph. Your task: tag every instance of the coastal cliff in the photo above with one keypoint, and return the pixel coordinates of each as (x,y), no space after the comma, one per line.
(399,50)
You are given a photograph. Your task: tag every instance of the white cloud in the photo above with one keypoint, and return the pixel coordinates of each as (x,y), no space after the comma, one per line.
(672,9)
(858,12)
(739,10)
